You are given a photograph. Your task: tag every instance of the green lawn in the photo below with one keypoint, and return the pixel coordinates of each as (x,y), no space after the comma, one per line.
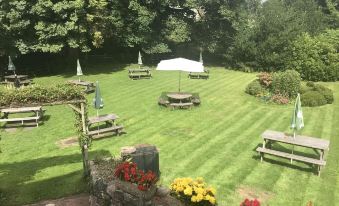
(216,140)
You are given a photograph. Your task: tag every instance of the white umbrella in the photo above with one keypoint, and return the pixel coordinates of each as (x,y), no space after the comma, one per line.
(201,60)
(139,60)
(180,64)
(79,71)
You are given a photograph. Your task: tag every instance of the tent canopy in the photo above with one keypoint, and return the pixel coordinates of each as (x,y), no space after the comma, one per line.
(180,64)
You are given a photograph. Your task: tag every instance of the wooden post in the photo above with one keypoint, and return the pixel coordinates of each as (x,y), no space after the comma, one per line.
(82,107)
(85,148)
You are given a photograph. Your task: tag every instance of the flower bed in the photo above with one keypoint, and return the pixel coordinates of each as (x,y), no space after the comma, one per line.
(193,192)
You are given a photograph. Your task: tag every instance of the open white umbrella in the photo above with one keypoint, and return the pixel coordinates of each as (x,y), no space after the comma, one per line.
(79,71)
(180,64)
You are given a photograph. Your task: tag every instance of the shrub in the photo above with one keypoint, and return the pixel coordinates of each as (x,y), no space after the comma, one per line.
(316,58)
(286,83)
(265,79)
(312,99)
(254,88)
(248,202)
(280,99)
(304,88)
(310,84)
(326,92)
(193,192)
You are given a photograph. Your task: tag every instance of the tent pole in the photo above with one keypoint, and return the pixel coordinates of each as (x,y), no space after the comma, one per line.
(179,79)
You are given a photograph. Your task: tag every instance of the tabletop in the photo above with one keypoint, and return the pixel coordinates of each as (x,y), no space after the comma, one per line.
(299,140)
(102,118)
(21,109)
(83,83)
(18,76)
(179,95)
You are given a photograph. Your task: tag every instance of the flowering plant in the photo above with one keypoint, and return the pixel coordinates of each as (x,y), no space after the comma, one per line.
(248,202)
(128,171)
(193,192)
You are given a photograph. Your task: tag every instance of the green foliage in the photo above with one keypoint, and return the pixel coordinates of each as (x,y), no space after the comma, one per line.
(326,92)
(254,88)
(312,99)
(39,94)
(286,83)
(315,58)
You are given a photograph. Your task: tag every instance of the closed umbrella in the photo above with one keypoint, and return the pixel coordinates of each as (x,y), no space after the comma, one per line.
(79,71)
(180,64)
(98,103)
(139,59)
(297,122)
(200,59)
(11,66)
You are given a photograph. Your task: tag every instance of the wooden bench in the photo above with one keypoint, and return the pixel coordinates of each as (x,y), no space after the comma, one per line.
(200,75)
(181,105)
(292,157)
(139,73)
(271,137)
(117,129)
(38,111)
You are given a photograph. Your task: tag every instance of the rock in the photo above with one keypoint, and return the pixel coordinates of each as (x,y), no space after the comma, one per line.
(162,191)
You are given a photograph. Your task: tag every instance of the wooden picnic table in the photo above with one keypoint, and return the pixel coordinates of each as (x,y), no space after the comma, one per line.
(139,73)
(88,86)
(23,79)
(38,113)
(110,125)
(269,137)
(180,100)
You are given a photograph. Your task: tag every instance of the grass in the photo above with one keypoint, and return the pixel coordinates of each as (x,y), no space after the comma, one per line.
(216,140)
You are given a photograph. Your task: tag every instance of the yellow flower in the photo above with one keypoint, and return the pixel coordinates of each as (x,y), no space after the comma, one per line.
(199,197)
(212,200)
(188,191)
(194,198)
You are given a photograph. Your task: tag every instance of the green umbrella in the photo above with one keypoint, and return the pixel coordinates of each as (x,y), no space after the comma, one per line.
(11,66)
(297,118)
(139,59)
(98,102)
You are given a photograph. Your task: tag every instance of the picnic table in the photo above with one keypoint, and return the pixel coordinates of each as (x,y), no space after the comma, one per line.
(88,86)
(23,79)
(109,127)
(199,75)
(180,100)
(139,73)
(319,145)
(38,113)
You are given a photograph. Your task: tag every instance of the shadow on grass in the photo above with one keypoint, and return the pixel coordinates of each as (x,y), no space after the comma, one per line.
(18,185)
(286,162)
(94,68)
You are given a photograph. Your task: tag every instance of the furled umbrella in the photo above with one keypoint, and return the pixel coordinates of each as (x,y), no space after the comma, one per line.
(180,64)
(200,59)
(139,60)
(97,101)
(79,71)
(297,122)
(11,66)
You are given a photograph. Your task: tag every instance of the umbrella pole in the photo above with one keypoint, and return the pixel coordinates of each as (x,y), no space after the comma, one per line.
(98,122)
(179,79)
(293,145)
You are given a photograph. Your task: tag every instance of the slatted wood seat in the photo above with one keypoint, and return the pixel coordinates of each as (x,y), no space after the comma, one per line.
(140,75)
(117,129)
(202,75)
(182,105)
(292,156)
(22,119)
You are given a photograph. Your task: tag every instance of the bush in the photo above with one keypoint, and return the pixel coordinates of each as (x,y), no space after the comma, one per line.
(326,92)
(254,88)
(280,99)
(286,83)
(265,79)
(248,202)
(312,99)
(316,58)
(310,84)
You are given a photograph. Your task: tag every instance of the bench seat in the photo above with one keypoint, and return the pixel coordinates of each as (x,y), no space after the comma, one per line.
(116,129)
(140,75)
(19,119)
(292,156)
(181,105)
